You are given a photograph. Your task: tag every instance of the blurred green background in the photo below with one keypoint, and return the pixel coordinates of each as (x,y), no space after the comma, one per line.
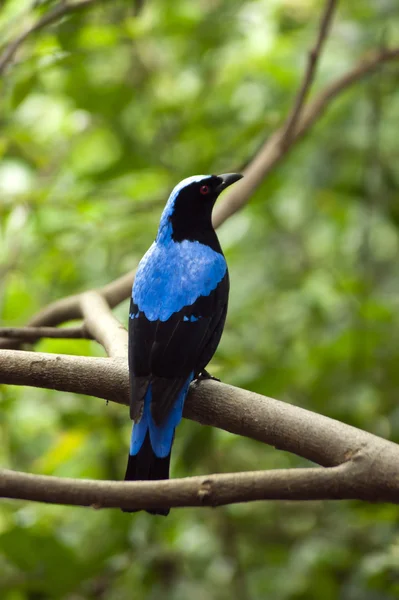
(101,115)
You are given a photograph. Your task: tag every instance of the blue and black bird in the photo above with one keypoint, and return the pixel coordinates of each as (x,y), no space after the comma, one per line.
(177,314)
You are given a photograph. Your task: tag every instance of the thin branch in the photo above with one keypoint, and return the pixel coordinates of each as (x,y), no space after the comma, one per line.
(272,152)
(59,11)
(210,490)
(32,334)
(308,78)
(104,327)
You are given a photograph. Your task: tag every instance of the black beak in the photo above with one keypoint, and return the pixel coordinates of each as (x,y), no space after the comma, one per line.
(227,179)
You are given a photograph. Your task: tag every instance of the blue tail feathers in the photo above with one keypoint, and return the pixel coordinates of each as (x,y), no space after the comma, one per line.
(161,437)
(151,445)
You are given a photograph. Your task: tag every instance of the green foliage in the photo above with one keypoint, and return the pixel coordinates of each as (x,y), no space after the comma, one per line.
(101,115)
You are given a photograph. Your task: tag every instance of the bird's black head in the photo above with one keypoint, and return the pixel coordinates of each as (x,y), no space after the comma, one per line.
(188,212)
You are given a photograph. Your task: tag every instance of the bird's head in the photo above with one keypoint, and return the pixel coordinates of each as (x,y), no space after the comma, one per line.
(188,211)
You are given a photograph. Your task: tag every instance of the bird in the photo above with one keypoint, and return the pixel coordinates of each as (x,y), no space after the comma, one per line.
(176,319)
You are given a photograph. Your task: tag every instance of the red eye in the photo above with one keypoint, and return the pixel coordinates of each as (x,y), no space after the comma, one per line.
(204,189)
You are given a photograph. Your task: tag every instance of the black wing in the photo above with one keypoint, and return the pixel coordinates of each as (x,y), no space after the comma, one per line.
(166,352)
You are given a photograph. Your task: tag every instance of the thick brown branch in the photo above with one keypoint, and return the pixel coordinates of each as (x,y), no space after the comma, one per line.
(210,490)
(310,72)
(320,439)
(59,11)
(100,377)
(103,326)
(32,334)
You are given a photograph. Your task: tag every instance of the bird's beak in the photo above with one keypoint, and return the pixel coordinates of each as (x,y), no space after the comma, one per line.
(227,179)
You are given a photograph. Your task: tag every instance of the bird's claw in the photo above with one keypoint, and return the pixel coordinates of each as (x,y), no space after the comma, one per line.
(205,375)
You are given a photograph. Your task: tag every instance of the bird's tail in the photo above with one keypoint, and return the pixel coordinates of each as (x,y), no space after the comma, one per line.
(151,445)
(146,466)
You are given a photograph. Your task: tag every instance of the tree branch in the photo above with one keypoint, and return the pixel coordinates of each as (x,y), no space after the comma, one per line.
(69,308)
(273,151)
(59,11)
(32,334)
(350,480)
(209,490)
(315,437)
(101,377)
(310,72)
(103,326)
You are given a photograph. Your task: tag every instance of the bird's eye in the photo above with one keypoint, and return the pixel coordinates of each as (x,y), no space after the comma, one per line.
(204,189)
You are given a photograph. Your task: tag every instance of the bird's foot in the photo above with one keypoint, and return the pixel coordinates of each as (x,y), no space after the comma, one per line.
(203,375)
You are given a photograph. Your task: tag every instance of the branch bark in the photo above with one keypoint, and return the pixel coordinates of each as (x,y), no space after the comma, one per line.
(69,308)
(209,490)
(100,377)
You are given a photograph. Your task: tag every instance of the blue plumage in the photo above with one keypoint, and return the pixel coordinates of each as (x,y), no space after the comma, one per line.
(173,275)
(161,438)
(177,313)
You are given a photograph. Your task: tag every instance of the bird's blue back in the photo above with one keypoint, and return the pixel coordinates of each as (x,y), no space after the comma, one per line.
(173,275)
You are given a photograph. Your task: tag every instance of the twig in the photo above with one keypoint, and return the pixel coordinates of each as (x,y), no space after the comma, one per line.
(272,152)
(59,11)
(314,54)
(32,334)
